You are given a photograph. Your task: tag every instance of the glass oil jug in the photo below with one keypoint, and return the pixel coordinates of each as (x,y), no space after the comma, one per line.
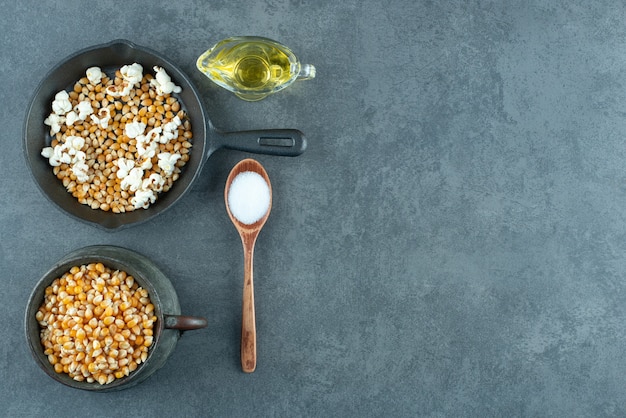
(252,67)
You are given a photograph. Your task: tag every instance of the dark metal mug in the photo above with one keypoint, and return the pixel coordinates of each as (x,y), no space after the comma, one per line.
(167,328)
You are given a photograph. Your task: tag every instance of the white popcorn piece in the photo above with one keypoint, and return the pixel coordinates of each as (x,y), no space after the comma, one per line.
(163,82)
(170,130)
(103,118)
(61,104)
(143,198)
(124,167)
(94,75)
(80,170)
(146,164)
(80,156)
(154,182)
(66,153)
(134,129)
(167,162)
(146,153)
(74,144)
(70,118)
(83,109)
(48,152)
(133,180)
(153,134)
(132,73)
(56,156)
(119,91)
(54,121)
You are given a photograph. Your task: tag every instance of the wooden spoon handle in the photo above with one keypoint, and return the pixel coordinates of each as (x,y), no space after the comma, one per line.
(248,321)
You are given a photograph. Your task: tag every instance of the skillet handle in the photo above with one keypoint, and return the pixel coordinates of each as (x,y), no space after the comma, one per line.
(284,142)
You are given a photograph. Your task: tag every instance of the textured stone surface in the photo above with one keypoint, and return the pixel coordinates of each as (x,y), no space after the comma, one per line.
(450,244)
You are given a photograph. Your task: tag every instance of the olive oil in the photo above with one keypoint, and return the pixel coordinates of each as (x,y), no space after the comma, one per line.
(252,67)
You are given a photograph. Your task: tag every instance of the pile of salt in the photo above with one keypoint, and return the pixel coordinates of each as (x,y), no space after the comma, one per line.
(249,197)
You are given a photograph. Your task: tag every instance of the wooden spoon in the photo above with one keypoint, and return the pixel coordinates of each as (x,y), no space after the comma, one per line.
(248,234)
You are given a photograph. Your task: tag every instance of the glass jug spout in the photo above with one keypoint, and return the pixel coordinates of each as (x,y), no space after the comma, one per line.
(307,72)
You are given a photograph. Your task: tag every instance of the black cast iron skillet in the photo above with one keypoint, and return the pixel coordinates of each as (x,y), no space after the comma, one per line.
(206,139)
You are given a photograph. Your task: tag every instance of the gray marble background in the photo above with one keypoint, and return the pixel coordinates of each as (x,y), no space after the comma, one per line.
(452,243)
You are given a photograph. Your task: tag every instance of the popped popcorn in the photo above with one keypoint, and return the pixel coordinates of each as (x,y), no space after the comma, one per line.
(94,75)
(132,73)
(126,135)
(153,134)
(167,162)
(133,180)
(81,171)
(54,121)
(104,117)
(70,118)
(124,167)
(143,198)
(170,130)
(134,129)
(74,144)
(83,109)
(154,182)
(56,156)
(115,91)
(61,104)
(69,153)
(163,82)
(147,153)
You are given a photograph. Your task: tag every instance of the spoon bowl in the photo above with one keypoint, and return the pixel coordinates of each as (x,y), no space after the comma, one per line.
(248,184)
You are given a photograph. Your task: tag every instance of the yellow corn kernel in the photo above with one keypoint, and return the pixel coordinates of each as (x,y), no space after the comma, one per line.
(58,367)
(80,334)
(139,340)
(98,311)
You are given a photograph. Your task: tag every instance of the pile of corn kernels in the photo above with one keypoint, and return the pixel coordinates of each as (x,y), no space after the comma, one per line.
(117,143)
(96,324)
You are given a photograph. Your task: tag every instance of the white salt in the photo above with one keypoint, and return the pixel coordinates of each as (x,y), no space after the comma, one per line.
(249,197)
